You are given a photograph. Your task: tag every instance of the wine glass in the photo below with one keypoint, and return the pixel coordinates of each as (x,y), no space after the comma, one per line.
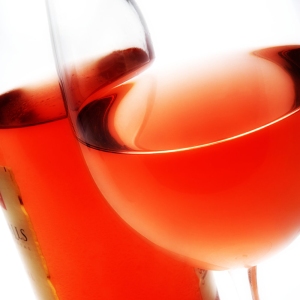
(196,146)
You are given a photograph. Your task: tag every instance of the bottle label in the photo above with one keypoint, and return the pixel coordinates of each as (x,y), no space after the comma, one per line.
(24,236)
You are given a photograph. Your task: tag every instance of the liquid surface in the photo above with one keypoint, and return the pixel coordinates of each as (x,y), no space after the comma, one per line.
(229,204)
(193,104)
(31,105)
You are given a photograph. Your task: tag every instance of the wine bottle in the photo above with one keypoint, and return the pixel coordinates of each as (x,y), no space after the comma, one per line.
(86,251)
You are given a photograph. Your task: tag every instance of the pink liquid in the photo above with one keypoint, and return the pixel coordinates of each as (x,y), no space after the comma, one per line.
(90,253)
(203,160)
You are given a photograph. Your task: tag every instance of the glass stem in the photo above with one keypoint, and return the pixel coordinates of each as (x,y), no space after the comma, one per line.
(252,274)
(238,284)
